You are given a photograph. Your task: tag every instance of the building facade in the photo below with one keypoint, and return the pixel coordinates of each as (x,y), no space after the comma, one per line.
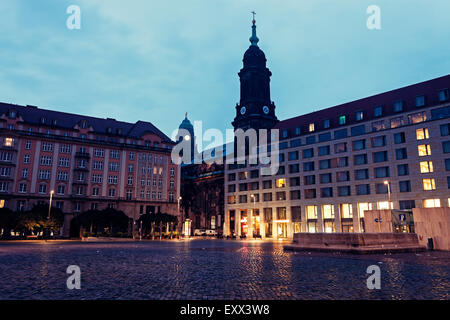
(85,162)
(391,150)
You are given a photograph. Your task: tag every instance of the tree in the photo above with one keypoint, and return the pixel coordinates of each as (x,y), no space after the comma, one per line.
(8,221)
(37,220)
(98,222)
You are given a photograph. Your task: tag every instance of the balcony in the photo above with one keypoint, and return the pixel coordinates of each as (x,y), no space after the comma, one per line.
(84,155)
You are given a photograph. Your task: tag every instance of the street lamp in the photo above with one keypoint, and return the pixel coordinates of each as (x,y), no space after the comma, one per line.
(179,214)
(389,193)
(50,205)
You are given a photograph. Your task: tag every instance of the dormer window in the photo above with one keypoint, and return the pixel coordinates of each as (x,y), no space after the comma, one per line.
(420,101)
(83,124)
(443,95)
(12,114)
(284,133)
(378,111)
(311,127)
(109,130)
(298,131)
(119,131)
(398,106)
(55,122)
(43,120)
(326,123)
(342,120)
(359,115)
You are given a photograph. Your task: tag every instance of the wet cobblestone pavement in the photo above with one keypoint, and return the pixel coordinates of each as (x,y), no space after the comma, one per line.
(213,269)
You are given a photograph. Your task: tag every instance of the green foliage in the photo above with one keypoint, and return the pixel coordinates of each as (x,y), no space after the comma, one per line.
(108,222)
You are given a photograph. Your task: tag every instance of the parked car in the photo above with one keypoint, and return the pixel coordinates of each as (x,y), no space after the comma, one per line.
(211,233)
(200,232)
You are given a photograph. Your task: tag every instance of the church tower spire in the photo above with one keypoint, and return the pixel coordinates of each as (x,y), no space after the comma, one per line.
(255,109)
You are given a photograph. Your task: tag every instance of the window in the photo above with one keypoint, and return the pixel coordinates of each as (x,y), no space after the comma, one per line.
(112,192)
(61,189)
(326,178)
(64,148)
(342,176)
(324,150)
(428,184)
(308,166)
(22,187)
(267,197)
(362,174)
(446,146)
(396,122)
(326,192)
(243,199)
(381,156)
(443,95)
(280,183)
(360,159)
(401,154)
(417,117)
(308,153)
(293,155)
(432,203)
(24,173)
(378,111)
(340,134)
(130,168)
(342,120)
(323,137)
(381,188)
(310,193)
(326,124)
(399,137)
(379,141)
(359,115)
(422,134)
(344,191)
(447,164)
(382,172)
(47,146)
(362,189)
(407,204)
(340,147)
(359,145)
(281,196)
(311,127)
(424,150)
(131,155)
(405,186)
(398,106)
(420,101)
(445,129)
(403,169)
(324,164)
(358,130)
(294,168)
(309,180)
(426,166)
(311,212)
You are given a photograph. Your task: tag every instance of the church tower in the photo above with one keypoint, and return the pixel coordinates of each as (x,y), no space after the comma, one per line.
(255,109)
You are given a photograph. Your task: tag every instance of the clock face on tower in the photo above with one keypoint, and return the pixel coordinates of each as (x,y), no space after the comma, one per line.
(266,109)
(243,110)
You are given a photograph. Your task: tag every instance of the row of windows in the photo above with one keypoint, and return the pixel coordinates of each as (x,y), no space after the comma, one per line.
(359,115)
(342,191)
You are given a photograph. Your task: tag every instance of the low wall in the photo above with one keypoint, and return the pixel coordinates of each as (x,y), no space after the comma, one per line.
(433,223)
(356,242)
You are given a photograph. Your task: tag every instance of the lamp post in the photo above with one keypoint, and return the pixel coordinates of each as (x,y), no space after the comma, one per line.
(50,204)
(253,212)
(389,193)
(179,213)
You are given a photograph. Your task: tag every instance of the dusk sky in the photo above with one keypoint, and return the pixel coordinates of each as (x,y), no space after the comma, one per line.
(155,60)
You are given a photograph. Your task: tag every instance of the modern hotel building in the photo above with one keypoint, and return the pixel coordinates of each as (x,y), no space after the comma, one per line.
(84,163)
(391,150)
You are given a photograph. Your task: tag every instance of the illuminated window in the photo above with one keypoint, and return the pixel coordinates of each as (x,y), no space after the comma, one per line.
(422,134)
(342,120)
(363,206)
(311,127)
(9,142)
(429,184)
(2,204)
(432,203)
(346,210)
(424,150)
(311,212)
(280,183)
(426,166)
(328,211)
(383,205)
